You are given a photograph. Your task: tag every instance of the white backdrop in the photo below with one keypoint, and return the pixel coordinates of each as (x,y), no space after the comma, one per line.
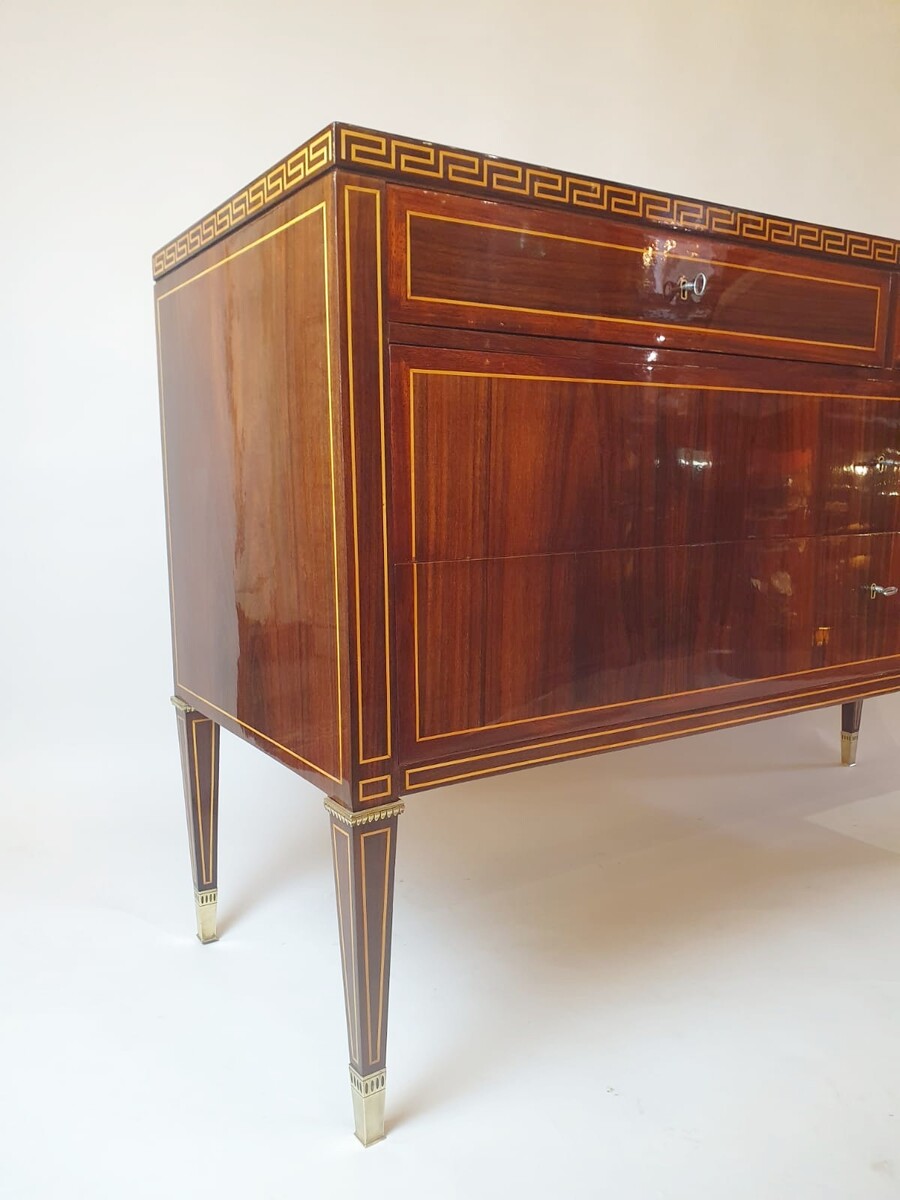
(121,124)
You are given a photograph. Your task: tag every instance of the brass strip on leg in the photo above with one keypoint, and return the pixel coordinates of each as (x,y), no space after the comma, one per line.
(368,1105)
(206,904)
(848,748)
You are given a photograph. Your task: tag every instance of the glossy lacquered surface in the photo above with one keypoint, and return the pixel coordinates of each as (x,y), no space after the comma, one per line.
(385,554)
(248,377)
(494,266)
(607,452)
(622,545)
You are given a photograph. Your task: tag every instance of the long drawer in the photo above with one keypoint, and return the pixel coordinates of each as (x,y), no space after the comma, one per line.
(497,650)
(458,261)
(503,455)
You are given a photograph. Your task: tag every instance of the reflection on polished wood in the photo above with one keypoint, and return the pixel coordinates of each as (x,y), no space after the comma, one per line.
(471,466)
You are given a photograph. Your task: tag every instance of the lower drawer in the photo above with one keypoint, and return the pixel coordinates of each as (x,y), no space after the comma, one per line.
(503,649)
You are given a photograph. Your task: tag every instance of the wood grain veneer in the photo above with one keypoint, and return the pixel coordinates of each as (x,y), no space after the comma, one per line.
(465,471)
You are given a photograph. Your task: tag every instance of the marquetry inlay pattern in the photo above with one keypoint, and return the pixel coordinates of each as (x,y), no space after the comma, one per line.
(307,161)
(424,161)
(365,151)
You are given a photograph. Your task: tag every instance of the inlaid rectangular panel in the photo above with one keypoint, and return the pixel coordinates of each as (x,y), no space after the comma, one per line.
(488,265)
(500,646)
(254,484)
(496,458)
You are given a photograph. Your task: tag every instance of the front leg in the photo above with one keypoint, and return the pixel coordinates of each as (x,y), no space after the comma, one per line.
(198,738)
(364,848)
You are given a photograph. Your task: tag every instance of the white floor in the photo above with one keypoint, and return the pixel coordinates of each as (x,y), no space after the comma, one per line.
(668,972)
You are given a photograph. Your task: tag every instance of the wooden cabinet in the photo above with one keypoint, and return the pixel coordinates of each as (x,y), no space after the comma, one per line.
(471,465)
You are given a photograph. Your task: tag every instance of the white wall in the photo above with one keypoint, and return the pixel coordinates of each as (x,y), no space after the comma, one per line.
(122,123)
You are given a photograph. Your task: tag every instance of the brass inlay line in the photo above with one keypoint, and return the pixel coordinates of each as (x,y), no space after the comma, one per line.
(257,733)
(212,799)
(194,723)
(691,328)
(349,966)
(308,160)
(692,386)
(373,1058)
(615,745)
(413,371)
(365,933)
(334,521)
(383,782)
(580,241)
(351,396)
(483,173)
(323,208)
(165,458)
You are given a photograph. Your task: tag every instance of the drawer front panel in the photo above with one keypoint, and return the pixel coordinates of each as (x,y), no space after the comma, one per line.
(503,650)
(486,265)
(858,619)
(498,458)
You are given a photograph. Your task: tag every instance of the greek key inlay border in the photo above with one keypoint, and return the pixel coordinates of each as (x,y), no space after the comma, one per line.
(307,161)
(368,151)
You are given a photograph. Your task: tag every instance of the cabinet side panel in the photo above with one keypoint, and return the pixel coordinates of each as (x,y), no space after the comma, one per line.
(252,451)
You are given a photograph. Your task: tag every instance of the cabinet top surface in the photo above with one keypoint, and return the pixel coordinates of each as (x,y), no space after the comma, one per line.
(428,164)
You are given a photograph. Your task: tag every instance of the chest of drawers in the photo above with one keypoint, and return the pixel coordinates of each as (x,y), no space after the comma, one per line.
(472,465)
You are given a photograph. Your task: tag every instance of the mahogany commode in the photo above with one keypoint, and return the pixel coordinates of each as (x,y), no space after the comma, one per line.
(471,464)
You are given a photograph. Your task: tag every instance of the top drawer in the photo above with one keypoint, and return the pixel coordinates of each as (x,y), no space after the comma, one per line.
(483,265)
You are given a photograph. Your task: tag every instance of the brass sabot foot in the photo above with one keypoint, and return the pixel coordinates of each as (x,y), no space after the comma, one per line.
(848,748)
(206,903)
(368,1106)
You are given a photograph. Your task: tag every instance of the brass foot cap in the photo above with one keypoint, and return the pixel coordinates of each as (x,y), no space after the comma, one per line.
(206,904)
(848,748)
(368,1106)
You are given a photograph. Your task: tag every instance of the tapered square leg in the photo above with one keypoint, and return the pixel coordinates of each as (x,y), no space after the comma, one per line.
(198,738)
(364,848)
(851,715)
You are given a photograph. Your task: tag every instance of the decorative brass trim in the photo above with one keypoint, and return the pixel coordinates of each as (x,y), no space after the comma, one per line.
(848,748)
(322,207)
(607,738)
(303,164)
(206,906)
(366,1084)
(367,817)
(368,1096)
(180,704)
(413,372)
(618,320)
(483,174)
(348,964)
(417,162)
